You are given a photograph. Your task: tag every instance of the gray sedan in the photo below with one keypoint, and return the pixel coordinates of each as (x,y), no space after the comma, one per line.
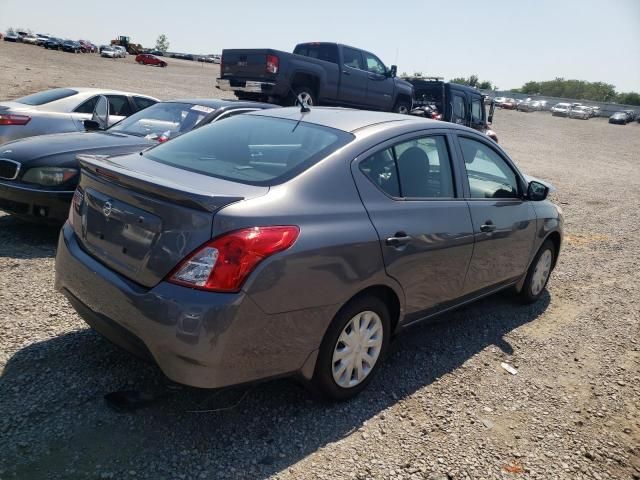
(63,110)
(298,243)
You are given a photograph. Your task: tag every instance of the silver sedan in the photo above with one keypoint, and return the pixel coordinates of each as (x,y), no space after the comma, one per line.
(63,110)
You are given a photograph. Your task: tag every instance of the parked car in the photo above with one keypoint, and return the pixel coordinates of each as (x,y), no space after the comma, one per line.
(289,243)
(451,102)
(39,174)
(30,38)
(631,115)
(561,109)
(42,39)
(529,106)
(86,46)
(319,73)
(63,110)
(11,37)
(620,118)
(581,112)
(498,101)
(509,104)
(120,51)
(53,44)
(157,53)
(595,111)
(109,52)
(71,46)
(148,59)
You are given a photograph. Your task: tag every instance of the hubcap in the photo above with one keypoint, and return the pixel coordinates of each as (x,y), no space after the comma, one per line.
(403,110)
(306,98)
(357,349)
(541,272)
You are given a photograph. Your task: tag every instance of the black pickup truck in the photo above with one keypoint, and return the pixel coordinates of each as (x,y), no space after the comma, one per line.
(319,73)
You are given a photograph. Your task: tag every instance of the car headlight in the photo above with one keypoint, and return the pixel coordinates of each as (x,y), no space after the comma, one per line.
(49,176)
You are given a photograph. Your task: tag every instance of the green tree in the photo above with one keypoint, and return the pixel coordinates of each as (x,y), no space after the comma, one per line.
(629,98)
(460,80)
(162,43)
(485,85)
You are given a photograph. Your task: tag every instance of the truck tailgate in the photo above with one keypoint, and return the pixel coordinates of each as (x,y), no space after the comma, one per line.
(247,63)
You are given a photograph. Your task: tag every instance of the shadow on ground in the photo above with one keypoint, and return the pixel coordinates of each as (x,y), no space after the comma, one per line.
(55,423)
(21,239)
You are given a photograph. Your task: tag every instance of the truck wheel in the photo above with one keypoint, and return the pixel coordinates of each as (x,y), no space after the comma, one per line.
(307,95)
(402,107)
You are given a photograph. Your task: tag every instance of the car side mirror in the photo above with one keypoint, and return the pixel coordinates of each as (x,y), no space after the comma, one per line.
(91,125)
(101,113)
(393,71)
(537,191)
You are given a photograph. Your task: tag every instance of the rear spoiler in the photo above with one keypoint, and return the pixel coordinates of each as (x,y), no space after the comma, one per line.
(101,168)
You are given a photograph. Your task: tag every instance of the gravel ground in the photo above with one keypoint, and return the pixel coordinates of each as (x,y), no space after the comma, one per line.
(442,407)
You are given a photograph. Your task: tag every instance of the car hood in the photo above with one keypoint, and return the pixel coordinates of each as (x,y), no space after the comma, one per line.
(63,147)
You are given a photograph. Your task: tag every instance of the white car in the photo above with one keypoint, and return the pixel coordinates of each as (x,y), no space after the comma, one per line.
(63,110)
(561,109)
(109,52)
(122,52)
(30,39)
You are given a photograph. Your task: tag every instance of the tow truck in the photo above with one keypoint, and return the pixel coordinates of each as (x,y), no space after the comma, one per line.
(450,102)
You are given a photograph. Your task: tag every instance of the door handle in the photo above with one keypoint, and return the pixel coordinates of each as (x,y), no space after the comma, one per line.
(488,226)
(400,239)
(346,72)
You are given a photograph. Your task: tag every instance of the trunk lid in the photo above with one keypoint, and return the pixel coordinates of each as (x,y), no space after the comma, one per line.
(247,64)
(141,218)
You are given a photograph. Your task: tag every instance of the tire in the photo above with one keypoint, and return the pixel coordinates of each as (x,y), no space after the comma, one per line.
(374,312)
(534,285)
(402,107)
(307,93)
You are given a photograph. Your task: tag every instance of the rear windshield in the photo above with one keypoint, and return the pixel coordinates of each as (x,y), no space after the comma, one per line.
(165,118)
(322,51)
(251,149)
(47,96)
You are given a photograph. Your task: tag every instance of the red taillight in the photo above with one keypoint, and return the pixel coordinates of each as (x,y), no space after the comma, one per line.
(223,264)
(11,119)
(273,62)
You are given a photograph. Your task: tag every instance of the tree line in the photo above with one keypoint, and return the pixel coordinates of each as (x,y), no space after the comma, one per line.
(560,87)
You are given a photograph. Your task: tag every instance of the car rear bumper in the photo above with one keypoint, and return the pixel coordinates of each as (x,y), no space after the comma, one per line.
(50,206)
(246,86)
(197,338)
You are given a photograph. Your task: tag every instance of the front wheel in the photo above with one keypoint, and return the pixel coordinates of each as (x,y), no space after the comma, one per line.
(352,349)
(538,274)
(402,107)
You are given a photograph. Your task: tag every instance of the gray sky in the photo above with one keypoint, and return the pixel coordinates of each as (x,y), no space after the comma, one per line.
(508,42)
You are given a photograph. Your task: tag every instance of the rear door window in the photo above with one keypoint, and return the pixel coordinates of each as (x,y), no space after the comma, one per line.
(251,149)
(119,105)
(352,58)
(418,168)
(141,102)
(321,51)
(47,96)
(88,106)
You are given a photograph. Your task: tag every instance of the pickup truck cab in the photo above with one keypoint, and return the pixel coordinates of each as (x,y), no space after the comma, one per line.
(319,73)
(453,103)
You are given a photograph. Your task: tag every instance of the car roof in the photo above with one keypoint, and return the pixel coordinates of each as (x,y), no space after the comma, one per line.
(345,119)
(221,103)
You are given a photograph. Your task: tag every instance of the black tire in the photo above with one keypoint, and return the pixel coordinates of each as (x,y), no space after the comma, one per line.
(526,295)
(402,107)
(306,92)
(323,383)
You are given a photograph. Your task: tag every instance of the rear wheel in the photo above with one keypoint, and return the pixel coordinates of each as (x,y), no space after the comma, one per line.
(402,107)
(306,94)
(538,274)
(352,349)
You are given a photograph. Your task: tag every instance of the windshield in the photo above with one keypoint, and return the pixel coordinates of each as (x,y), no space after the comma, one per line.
(251,149)
(166,119)
(47,96)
